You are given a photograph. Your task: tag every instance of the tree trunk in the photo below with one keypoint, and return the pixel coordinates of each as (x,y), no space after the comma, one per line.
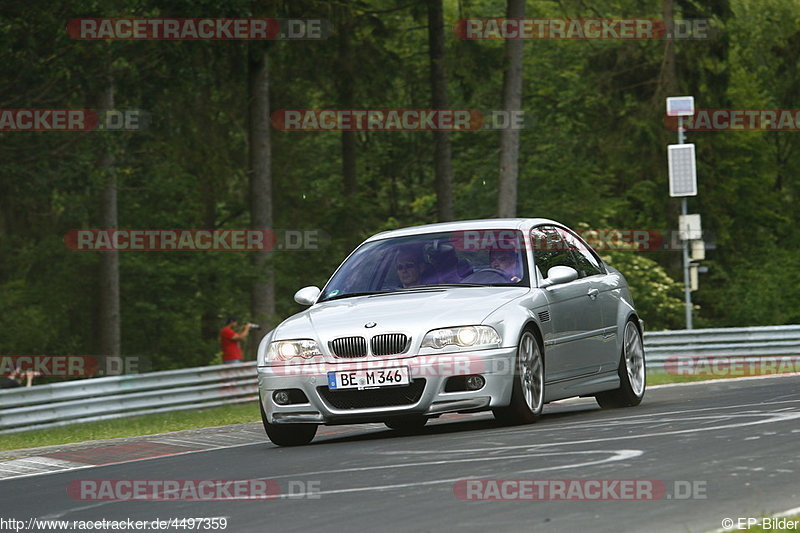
(207,284)
(347,98)
(108,327)
(512,103)
(441,139)
(668,86)
(668,77)
(262,301)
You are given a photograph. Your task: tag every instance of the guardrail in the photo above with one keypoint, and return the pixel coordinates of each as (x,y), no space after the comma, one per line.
(90,400)
(738,344)
(106,398)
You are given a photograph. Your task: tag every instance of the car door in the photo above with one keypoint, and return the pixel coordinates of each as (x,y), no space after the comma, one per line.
(604,289)
(575,316)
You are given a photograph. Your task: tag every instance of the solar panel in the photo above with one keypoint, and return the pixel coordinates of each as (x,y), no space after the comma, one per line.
(682,170)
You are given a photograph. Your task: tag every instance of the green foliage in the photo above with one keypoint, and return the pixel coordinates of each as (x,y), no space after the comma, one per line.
(658,297)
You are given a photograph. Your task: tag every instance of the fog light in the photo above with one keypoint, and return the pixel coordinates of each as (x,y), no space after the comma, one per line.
(281,397)
(475,382)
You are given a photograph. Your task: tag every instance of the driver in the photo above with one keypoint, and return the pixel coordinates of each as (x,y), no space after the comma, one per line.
(506,262)
(409,268)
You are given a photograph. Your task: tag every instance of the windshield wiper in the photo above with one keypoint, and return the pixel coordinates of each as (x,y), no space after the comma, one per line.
(349,294)
(444,285)
(402,289)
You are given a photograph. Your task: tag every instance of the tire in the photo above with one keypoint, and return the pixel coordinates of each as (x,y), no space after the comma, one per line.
(527,395)
(632,372)
(287,434)
(407,424)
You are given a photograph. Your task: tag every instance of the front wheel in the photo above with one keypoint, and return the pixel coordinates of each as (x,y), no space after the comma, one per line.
(631,372)
(527,395)
(287,434)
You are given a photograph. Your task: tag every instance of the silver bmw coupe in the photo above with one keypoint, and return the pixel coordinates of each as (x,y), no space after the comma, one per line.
(502,315)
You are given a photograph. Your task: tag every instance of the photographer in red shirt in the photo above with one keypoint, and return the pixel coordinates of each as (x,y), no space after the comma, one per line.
(229,341)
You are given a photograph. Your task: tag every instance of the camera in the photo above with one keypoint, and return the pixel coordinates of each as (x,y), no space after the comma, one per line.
(253,326)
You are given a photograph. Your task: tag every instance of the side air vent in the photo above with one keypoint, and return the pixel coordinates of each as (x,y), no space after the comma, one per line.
(544,316)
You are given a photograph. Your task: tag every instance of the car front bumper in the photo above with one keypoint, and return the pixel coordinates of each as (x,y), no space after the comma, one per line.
(425,396)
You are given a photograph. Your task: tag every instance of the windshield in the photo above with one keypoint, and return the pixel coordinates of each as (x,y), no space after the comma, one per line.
(460,258)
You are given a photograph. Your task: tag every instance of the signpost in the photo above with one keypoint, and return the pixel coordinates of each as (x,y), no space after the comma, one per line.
(683,183)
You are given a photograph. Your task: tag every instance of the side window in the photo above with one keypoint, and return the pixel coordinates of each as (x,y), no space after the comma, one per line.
(588,264)
(549,250)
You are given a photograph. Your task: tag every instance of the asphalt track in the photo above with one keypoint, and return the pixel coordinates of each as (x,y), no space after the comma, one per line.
(735,442)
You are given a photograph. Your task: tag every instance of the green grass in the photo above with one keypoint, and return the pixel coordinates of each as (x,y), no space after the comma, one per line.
(134,426)
(661,378)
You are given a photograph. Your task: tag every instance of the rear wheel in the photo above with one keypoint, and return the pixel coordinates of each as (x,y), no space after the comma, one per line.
(287,434)
(527,395)
(631,372)
(407,424)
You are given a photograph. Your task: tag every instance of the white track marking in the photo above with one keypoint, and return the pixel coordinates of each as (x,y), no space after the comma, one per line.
(790,512)
(619,455)
(85,466)
(778,417)
(438,462)
(33,466)
(615,455)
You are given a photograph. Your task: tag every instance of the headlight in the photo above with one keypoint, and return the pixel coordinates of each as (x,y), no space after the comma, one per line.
(286,350)
(464,336)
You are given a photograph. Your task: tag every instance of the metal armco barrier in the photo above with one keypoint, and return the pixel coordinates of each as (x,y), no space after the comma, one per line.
(89,400)
(744,344)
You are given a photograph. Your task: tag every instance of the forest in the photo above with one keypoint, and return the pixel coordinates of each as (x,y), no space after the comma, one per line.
(214,151)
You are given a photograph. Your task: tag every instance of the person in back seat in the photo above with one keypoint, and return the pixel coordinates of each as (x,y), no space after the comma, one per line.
(447,266)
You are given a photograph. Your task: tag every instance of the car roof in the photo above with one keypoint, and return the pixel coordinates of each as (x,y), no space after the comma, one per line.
(522,224)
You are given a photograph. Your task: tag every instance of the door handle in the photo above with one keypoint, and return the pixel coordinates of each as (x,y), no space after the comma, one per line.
(592,293)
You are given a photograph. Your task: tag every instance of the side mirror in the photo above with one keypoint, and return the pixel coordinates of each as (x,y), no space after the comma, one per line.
(558,275)
(306,295)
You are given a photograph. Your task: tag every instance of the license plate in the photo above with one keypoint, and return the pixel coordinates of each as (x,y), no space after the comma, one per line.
(369,379)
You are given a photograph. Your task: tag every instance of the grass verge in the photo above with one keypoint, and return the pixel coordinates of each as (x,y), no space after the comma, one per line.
(662,378)
(134,426)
